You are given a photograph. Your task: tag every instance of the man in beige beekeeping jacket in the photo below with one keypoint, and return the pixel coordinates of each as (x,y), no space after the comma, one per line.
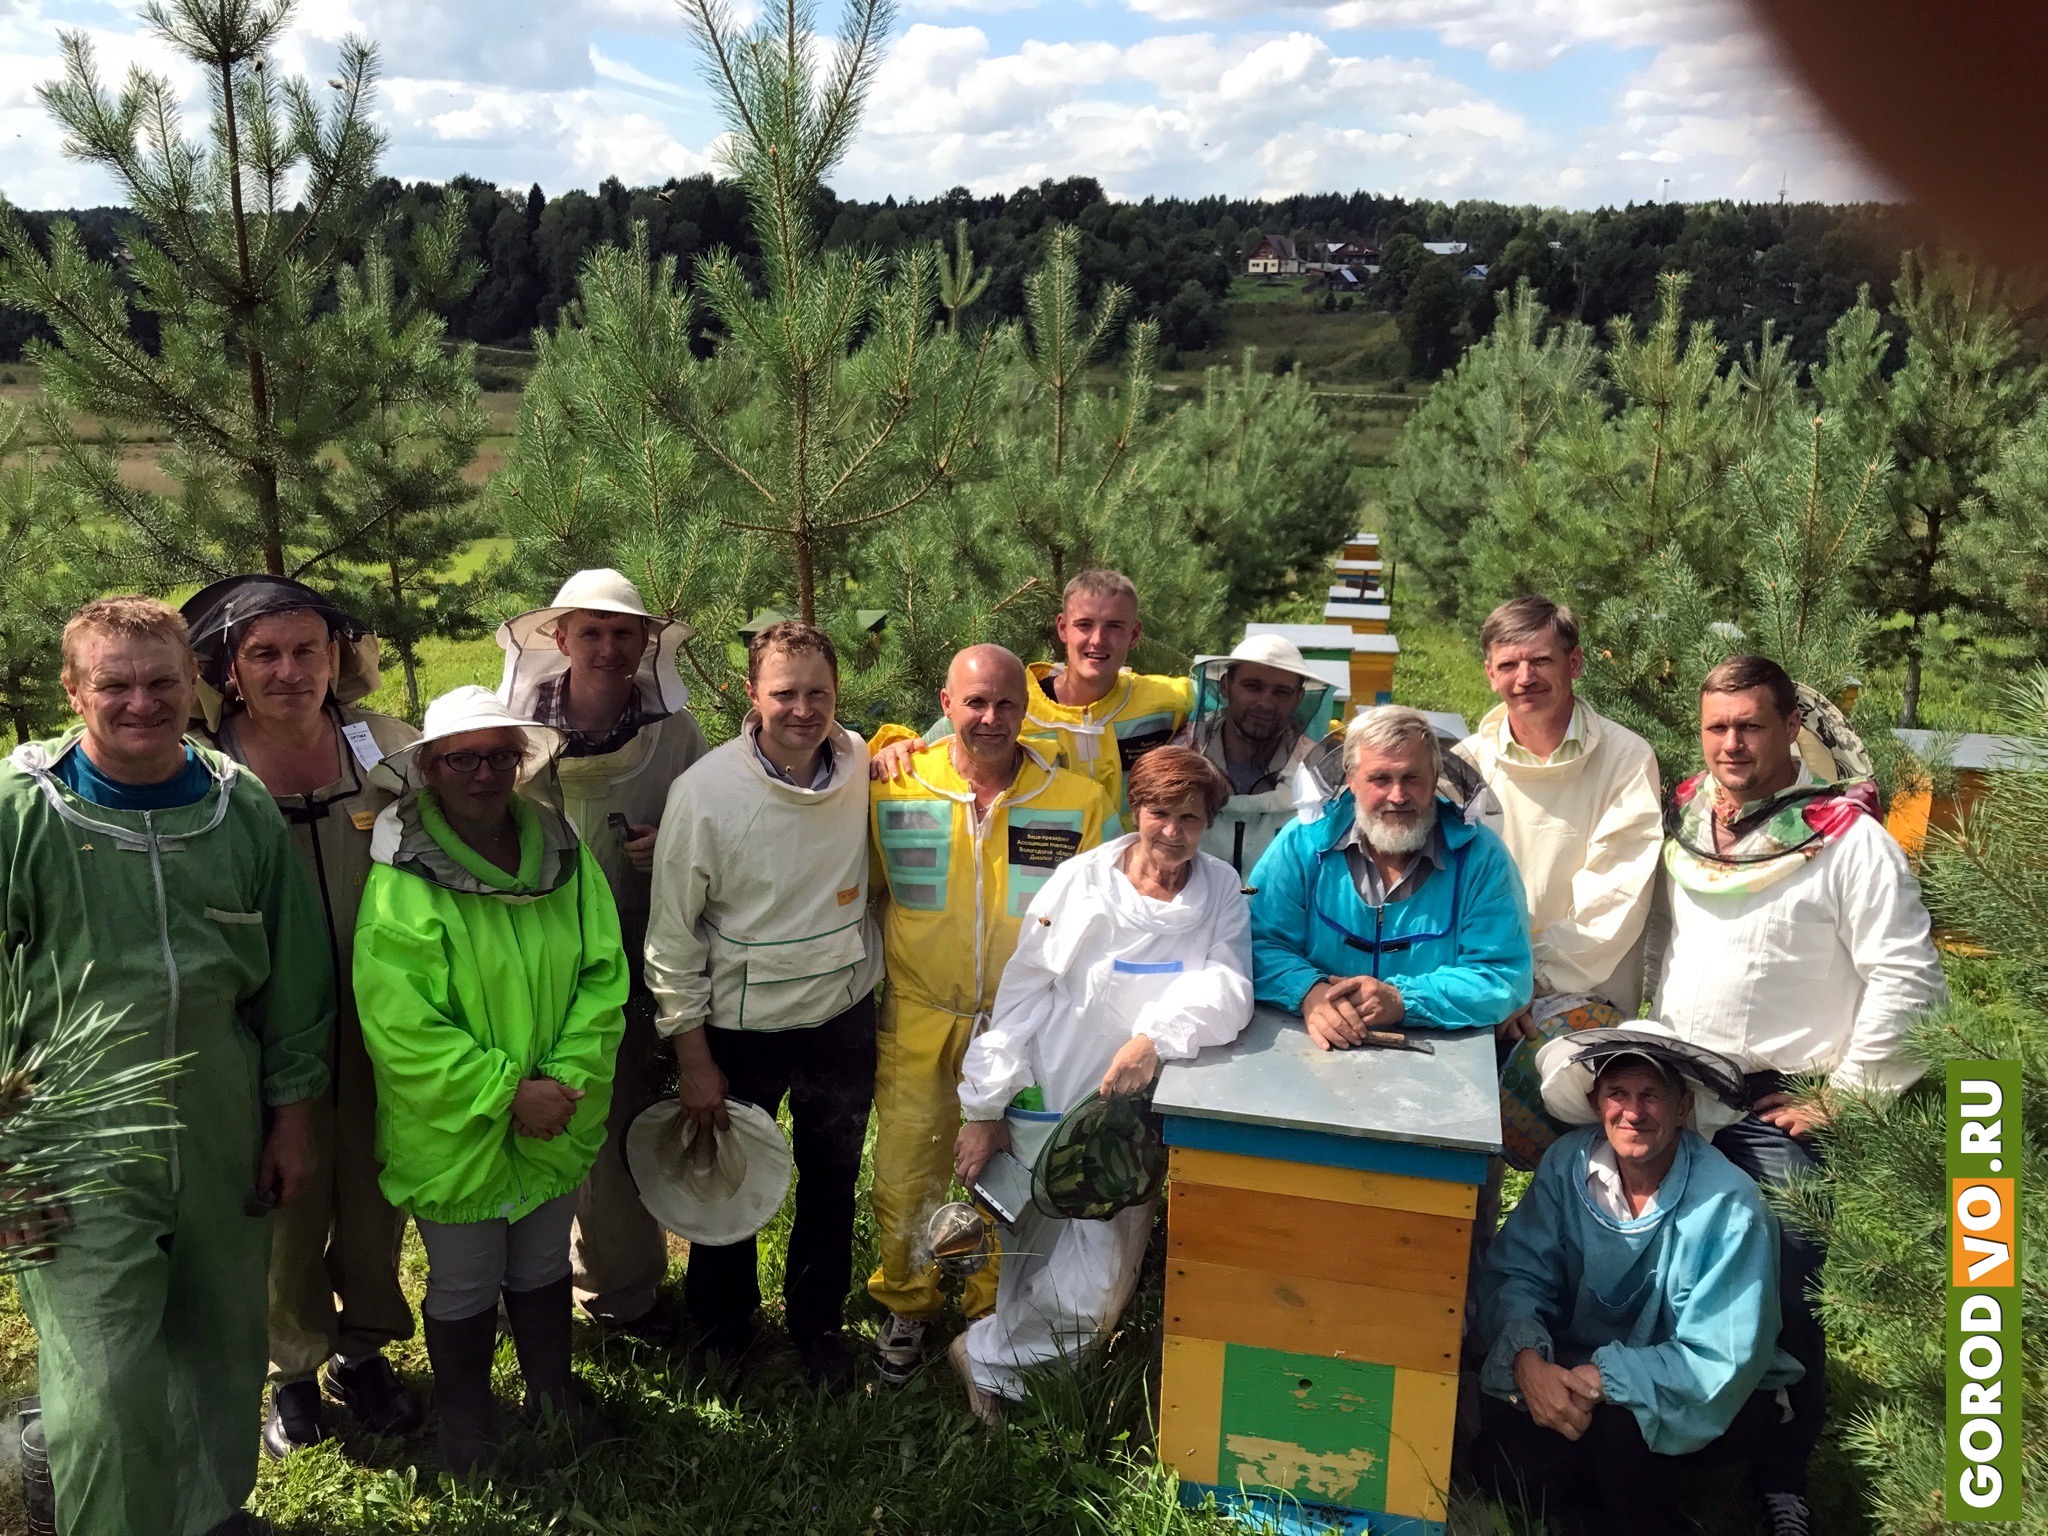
(1578,808)
(600,668)
(763,958)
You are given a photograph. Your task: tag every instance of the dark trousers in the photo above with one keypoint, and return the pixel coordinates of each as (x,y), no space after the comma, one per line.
(828,1074)
(1771,1156)
(1608,1480)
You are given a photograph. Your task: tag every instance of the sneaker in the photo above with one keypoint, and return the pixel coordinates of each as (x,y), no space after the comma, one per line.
(371,1391)
(1788,1515)
(985,1406)
(828,1362)
(899,1348)
(294,1420)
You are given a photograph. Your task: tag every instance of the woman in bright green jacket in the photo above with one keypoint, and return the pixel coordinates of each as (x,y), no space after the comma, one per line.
(490,980)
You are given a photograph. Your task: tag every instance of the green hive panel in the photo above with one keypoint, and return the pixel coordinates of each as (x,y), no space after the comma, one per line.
(1306,1425)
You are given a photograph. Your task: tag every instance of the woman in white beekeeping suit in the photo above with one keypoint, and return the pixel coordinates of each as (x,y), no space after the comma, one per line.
(1133,953)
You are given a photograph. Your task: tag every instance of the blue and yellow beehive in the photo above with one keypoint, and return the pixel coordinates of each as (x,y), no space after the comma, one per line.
(1319,1227)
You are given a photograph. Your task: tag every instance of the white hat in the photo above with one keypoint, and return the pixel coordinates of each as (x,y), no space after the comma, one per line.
(706,1185)
(471,708)
(528,664)
(1275,651)
(1569,1064)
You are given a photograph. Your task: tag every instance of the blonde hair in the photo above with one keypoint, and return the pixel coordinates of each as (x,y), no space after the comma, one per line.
(125,618)
(1099,583)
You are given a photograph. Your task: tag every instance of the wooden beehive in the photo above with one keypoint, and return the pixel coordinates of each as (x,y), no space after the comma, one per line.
(1319,1231)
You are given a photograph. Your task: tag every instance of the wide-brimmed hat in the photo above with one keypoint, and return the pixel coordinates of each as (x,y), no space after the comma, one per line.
(1106,1155)
(1569,1064)
(216,616)
(706,1185)
(1277,652)
(471,708)
(531,656)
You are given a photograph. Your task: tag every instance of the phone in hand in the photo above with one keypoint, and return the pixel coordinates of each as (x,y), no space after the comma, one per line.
(622,829)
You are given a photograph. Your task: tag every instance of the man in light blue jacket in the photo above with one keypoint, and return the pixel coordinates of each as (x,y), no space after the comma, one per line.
(1389,911)
(1628,1307)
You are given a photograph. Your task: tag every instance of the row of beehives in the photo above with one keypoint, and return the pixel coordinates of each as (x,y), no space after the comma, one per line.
(1352,646)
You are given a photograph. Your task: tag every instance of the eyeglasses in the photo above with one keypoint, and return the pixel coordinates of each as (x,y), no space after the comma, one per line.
(503,761)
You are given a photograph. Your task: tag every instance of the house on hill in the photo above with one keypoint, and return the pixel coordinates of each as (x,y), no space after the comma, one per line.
(1446,247)
(1274,256)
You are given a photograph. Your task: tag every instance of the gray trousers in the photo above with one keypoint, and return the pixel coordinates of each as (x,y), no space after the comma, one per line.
(621,1252)
(470,1262)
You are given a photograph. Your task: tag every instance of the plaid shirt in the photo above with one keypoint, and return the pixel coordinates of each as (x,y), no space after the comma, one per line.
(551,707)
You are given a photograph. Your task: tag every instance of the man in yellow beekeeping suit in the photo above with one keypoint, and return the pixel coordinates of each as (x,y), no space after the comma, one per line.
(963,836)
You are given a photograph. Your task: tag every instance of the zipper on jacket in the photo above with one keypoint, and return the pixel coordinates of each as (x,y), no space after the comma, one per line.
(163,929)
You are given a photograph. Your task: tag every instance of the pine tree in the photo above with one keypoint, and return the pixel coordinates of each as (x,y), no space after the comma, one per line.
(852,436)
(1800,514)
(1478,428)
(959,284)
(1882,1201)
(402,514)
(39,586)
(1967,383)
(237,234)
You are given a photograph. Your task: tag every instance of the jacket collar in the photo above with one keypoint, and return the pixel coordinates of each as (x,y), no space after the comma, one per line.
(1670,1193)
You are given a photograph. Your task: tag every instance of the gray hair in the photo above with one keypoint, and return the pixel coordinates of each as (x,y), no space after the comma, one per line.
(1391,728)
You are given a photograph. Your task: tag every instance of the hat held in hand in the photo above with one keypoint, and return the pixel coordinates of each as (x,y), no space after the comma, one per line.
(707,1185)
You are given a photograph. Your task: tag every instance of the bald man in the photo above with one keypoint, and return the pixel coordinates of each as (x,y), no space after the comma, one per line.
(964,835)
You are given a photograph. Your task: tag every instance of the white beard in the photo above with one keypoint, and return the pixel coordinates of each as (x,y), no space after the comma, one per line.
(1403,837)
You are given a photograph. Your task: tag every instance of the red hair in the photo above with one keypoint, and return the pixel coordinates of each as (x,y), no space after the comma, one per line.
(1169,777)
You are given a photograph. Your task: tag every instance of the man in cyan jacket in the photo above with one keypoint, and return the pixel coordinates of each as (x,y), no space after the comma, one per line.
(1389,911)
(1628,1310)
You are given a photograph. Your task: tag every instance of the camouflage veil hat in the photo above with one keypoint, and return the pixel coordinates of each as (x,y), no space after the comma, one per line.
(1106,1155)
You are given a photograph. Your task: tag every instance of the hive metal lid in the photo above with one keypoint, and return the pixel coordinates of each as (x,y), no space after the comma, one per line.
(1274,1075)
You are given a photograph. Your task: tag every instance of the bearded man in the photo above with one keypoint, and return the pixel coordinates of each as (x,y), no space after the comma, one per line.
(1390,911)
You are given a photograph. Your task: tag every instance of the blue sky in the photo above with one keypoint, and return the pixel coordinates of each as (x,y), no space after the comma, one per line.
(1573,102)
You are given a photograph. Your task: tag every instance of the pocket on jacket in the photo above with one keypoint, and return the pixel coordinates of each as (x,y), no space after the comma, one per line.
(245,946)
(804,959)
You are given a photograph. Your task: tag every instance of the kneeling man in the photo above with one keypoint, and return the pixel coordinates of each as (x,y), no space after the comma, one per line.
(1390,910)
(1629,1305)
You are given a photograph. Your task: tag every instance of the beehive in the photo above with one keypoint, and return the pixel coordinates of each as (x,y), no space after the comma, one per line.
(1319,1229)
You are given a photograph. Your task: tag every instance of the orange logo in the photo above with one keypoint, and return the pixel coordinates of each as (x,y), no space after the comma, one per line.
(1981,1233)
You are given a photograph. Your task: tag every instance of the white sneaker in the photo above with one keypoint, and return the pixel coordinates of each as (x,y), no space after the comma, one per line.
(985,1406)
(899,1348)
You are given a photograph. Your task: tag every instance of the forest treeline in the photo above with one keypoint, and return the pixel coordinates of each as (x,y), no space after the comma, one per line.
(1795,266)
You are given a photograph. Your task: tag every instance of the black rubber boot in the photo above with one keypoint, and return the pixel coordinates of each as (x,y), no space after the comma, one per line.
(38,1494)
(541,1323)
(460,1352)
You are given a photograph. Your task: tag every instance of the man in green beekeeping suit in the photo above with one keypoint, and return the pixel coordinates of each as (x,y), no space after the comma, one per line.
(157,880)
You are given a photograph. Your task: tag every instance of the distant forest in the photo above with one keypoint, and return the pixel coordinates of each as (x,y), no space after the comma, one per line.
(1796,266)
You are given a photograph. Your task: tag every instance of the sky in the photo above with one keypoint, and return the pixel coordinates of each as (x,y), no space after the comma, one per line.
(1575,103)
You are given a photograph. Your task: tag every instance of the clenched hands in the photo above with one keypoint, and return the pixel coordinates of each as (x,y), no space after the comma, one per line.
(542,1107)
(1558,1398)
(1338,1012)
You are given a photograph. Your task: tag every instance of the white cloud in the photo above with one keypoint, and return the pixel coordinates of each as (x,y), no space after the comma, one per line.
(1245,97)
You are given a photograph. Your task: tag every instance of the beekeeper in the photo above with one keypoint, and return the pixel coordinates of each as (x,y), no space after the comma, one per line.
(156,880)
(602,670)
(1628,1309)
(1260,714)
(1135,953)
(1575,798)
(762,955)
(280,671)
(964,840)
(1102,715)
(491,982)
